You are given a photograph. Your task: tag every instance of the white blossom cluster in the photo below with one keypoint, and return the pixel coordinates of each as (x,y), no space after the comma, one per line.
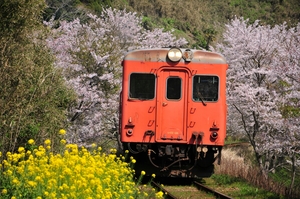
(264,86)
(90,55)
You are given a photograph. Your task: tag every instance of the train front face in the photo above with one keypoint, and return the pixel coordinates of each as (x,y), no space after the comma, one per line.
(173,110)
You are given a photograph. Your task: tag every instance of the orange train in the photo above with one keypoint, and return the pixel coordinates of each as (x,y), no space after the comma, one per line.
(173,110)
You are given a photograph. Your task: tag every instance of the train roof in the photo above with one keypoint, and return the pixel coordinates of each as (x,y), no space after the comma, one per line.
(160,55)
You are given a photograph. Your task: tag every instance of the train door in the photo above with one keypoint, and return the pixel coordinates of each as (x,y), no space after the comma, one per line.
(172,105)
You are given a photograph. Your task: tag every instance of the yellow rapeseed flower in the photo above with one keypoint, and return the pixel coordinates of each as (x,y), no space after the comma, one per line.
(4,191)
(75,172)
(15,181)
(113,151)
(62,141)
(21,149)
(38,178)
(39,153)
(159,194)
(31,141)
(62,132)
(32,183)
(8,172)
(47,142)
(143,173)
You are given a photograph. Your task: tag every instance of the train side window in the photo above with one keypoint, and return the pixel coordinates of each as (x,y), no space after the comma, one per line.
(142,86)
(205,88)
(174,88)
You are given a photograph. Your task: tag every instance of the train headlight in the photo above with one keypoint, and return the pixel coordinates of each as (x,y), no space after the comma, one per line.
(129,132)
(187,55)
(174,54)
(214,135)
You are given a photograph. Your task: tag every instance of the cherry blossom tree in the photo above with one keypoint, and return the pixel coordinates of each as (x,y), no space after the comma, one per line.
(287,68)
(264,89)
(90,55)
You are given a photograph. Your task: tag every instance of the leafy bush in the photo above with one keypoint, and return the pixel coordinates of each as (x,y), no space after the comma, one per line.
(33,95)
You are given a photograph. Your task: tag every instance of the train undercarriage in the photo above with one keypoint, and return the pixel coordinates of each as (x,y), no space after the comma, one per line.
(174,160)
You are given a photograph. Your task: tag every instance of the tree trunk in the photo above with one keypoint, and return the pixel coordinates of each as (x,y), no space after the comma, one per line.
(293,176)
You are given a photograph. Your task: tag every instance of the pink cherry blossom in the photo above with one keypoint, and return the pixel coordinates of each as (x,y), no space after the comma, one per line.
(90,55)
(263,80)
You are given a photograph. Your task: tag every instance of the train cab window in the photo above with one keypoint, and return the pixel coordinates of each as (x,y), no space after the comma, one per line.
(205,88)
(173,88)
(142,86)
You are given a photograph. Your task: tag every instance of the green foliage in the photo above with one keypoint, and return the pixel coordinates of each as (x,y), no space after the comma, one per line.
(97,5)
(268,11)
(191,19)
(199,39)
(224,179)
(64,10)
(194,17)
(33,97)
(168,23)
(148,23)
(290,111)
(16,17)
(243,189)
(283,175)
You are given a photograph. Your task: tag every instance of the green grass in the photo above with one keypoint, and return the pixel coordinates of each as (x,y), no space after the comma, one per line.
(238,188)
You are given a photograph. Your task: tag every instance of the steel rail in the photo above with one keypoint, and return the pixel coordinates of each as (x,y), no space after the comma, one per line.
(167,194)
(207,189)
(237,144)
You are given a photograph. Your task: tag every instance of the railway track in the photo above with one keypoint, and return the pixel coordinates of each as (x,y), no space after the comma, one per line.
(198,185)
(209,190)
(168,195)
(237,144)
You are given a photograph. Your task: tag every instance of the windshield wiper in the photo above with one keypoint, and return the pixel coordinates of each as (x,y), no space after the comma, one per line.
(201,99)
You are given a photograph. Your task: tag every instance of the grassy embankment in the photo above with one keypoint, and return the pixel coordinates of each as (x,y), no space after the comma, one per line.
(239,174)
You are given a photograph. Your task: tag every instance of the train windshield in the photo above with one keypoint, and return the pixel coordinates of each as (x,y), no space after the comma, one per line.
(205,88)
(142,86)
